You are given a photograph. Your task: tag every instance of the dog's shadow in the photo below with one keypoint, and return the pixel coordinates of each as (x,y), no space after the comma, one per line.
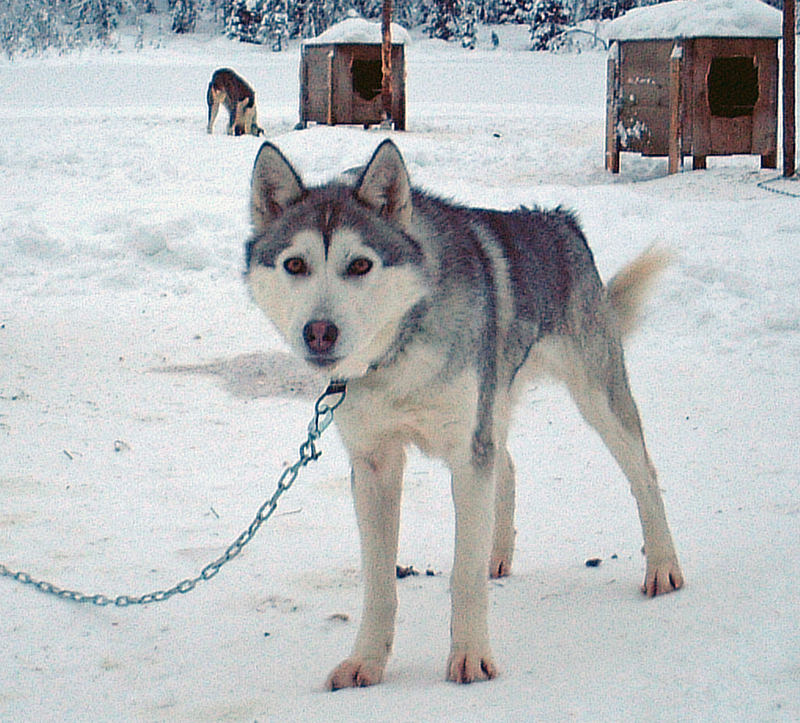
(250,376)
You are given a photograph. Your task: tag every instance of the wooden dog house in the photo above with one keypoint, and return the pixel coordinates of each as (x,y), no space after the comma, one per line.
(694,77)
(341,75)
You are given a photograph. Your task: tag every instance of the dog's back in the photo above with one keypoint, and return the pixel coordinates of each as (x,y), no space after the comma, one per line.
(233,85)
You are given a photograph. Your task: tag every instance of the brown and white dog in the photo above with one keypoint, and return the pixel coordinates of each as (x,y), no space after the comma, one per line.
(229,89)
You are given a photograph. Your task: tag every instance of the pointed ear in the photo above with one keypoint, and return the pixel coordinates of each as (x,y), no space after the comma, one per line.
(275,186)
(385,186)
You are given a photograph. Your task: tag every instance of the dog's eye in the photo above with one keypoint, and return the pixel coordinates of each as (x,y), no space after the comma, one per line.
(295,266)
(359,266)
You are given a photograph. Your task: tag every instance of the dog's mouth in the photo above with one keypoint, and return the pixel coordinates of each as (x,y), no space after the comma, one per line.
(323,362)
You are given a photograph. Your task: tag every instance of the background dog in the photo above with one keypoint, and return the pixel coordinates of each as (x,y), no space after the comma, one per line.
(229,89)
(436,316)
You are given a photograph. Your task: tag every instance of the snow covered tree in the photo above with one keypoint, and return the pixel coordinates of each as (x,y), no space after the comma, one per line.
(275,25)
(184,16)
(607,9)
(509,11)
(243,20)
(95,20)
(469,25)
(307,19)
(31,26)
(443,20)
(410,13)
(549,19)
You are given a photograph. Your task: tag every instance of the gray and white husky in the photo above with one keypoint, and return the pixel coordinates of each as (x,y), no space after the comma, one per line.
(436,316)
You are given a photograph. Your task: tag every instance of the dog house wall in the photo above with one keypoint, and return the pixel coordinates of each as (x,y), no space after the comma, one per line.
(642,96)
(341,83)
(695,78)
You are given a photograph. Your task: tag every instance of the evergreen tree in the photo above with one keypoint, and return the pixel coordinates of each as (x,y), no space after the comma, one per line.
(607,9)
(95,20)
(443,20)
(549,19)
(275,25)
(31,26)
(469,25)
(243,21)
(509,11)
(184,16)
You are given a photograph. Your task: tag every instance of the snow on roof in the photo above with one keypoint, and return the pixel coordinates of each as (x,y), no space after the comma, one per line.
(358,30)
(698,19)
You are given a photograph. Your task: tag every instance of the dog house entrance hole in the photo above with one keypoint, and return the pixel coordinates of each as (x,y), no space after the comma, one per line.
(367,78)
(732,86)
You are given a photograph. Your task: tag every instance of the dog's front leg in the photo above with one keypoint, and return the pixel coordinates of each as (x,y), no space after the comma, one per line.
(377,485)
(473,497)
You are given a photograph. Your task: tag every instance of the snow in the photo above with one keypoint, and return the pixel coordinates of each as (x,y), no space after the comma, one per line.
(147,409)
(359,30)
(698,19)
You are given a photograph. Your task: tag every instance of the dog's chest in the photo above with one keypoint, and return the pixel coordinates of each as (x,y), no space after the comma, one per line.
(438,417)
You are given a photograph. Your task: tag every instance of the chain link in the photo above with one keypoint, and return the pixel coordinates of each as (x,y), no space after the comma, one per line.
(323,416)
(764,185)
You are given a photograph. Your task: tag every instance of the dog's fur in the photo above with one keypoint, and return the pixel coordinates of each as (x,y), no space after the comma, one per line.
(231,90)
(436,316)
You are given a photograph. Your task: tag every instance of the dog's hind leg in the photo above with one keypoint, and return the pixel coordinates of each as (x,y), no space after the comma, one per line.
(598,383)
(377,484)
(504,504)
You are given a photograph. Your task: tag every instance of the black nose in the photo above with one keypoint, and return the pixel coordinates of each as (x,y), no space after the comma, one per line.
(320,336)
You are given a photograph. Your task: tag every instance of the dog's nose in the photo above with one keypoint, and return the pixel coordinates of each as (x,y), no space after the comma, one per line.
(320,335)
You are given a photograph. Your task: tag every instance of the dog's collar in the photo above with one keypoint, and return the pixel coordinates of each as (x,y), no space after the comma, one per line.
(336,386)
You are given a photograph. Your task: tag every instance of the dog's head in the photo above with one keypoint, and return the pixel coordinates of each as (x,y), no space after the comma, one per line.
(335,267)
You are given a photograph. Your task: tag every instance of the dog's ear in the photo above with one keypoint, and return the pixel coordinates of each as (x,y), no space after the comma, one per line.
(275,186)
(385,186)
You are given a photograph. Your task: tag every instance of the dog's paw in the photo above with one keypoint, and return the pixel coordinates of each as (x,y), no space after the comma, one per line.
(499,565)
(354,673)
(470,666)
(662,578)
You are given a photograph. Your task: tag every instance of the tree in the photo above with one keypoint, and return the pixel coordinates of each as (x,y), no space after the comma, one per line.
(509,11)
(469,25)
(549,19)
(184,16)
(275,25)
(443,20)
(95,20)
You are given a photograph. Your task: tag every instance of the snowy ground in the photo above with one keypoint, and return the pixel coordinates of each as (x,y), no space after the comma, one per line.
(121,232)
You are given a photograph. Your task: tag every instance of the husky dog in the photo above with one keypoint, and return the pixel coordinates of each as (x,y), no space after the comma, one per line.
(229,89)
(436,316)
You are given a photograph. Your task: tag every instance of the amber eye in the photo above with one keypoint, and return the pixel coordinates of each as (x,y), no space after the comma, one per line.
(295,266)
(359,267)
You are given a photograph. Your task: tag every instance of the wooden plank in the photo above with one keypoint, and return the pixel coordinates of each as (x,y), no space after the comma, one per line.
(789,138)
(612,109)
(643,96)
(675,66)
(386,62)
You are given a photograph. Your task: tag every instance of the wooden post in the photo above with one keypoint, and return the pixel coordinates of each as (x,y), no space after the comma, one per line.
(675,150)
(612,108)
(788,88)
(331,82)
(386,61)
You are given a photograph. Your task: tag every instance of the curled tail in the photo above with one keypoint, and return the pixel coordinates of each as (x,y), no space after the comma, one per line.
(631,285)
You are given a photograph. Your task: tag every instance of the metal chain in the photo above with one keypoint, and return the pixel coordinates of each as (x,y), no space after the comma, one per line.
(323,416)
(780,191)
